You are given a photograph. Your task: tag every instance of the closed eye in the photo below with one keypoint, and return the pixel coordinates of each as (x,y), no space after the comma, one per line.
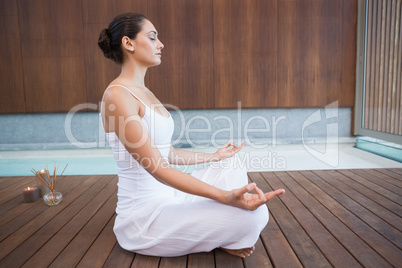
(152,35)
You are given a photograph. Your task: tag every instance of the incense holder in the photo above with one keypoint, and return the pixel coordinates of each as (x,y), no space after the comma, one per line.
(53,198)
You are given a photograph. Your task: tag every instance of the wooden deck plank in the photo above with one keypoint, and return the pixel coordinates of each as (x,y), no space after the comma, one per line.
(79,214)
(13,208)
(99,251)
(15,190)
(396,171)
(224,259)
(200,260)
(385,252)
(259,258)
(145,261)
(375,187)
(76,249)
(8,181)
(333,250)
(174,262)
(278,248)
(376,197)
(119,258)
(24,244)
(382,181)
(332,178)
(305,249)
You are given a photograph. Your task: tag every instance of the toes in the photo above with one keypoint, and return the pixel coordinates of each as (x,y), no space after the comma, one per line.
(242,253)
(248,252)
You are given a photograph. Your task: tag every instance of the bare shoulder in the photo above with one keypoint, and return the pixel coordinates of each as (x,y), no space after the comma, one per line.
(118,100)
(116,93)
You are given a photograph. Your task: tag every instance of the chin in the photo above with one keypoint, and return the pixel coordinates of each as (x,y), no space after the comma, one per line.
(156,63)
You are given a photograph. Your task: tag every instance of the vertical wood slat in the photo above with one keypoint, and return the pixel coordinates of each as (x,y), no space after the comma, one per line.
(381,71)
(373,64)
(378,54)
(386,64)
(395,62)
(389,91)
(382,103)
(368,65)
(377,65)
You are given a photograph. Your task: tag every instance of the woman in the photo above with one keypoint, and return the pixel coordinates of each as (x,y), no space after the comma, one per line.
(162,211)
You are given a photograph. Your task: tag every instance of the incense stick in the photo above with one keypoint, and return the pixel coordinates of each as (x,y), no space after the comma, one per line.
(49,182)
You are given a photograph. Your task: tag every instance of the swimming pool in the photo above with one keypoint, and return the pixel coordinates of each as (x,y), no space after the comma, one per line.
(77,165)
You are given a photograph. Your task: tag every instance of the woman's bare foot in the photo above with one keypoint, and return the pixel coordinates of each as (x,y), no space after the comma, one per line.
(244,252)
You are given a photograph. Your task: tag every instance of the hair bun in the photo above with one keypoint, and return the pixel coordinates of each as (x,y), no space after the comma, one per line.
(105,44)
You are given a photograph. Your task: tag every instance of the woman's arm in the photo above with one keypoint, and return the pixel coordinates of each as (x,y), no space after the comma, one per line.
(128,126)
(184,157)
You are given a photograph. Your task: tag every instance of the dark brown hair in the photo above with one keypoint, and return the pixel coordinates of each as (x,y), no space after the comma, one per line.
(127,24)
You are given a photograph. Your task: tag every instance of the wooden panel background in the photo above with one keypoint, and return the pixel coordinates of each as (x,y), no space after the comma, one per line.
(12,98)
(266,54)
(52,51)
(383,87)
(245,52)
(185,77)
(310,49)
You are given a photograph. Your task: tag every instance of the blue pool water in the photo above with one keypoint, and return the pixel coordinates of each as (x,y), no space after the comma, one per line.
(380,149)
(76,165)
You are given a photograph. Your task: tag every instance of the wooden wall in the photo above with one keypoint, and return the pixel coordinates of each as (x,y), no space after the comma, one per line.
(264,53)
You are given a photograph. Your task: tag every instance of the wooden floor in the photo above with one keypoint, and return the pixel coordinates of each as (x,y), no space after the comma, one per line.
(341,218)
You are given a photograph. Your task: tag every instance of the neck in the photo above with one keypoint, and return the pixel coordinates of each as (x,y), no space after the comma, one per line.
(134,74)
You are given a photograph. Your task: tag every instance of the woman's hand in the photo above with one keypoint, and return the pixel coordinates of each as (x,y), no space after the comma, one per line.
(243,199)
(225,152)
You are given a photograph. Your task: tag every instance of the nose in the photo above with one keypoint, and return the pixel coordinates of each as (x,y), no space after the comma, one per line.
(161,46)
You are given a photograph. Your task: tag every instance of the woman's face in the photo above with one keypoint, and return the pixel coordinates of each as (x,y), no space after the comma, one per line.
(147,46)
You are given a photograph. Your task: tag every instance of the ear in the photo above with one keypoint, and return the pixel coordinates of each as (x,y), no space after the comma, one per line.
(127,43)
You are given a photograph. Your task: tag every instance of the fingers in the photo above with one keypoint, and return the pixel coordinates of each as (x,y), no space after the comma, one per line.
(245,189)
(230,143)
(260,194)
(272,194)
(253,201)
(240,147)
(227,145)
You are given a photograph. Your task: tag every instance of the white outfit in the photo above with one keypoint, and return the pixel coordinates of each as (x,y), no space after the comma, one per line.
(158,220)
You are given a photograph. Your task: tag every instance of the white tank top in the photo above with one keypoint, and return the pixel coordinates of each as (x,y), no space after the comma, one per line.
(135,184)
